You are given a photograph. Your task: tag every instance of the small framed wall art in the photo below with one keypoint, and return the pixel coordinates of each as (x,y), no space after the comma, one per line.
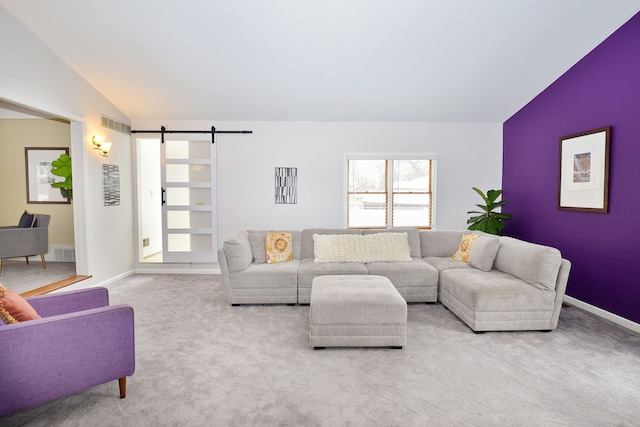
(584,171)
(286,185)
(111,184)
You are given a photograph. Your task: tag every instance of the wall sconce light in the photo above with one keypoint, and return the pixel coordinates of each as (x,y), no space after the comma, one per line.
(99,144)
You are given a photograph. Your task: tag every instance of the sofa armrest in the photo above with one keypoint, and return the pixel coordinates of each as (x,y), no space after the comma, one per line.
(561,287)
(531,262)
(69,302)
(237,251)
(18,242)
(52,357)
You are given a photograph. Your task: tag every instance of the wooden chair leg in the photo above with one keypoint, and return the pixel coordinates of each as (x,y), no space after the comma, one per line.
(27,259)
(122,382)
(44,264)
(0,266)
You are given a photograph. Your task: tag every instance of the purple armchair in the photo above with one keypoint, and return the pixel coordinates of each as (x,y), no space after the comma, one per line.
(80,342)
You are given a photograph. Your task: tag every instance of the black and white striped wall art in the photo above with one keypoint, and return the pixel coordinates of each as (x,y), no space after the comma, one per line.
(286,185)
(111,177)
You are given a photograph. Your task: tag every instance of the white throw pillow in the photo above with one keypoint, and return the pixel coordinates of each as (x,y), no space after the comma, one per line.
(379,247)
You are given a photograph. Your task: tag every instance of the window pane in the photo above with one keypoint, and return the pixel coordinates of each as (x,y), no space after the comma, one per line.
(188,149)
(367,210)
(177,149)
(189,242)
(367,176)
(178,243)
(411,175)
(188,173)
(183,196)
(188,219)
(411,210)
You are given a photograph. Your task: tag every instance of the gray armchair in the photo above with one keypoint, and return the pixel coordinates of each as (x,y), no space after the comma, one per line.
(16,241)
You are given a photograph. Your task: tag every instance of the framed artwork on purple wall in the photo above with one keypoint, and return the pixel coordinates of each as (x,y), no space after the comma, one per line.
(583,183)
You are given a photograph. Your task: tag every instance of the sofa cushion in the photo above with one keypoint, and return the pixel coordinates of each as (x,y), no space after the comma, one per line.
(309,269)
(16,306)
(442,263)
(413,236)
(495,291)
(464,248)
(278,247)
(258,245)
(418,273)
(282,275)
(533,263)
(439,243)
(237,249)
(380,247)
(483,252)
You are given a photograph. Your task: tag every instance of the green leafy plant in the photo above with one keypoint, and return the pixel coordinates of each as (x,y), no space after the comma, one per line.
(62,167)
(488,220)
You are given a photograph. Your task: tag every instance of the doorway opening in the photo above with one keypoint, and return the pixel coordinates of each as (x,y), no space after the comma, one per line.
(47,280)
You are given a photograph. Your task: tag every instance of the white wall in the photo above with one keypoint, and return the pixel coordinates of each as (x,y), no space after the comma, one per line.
(35,77)
(469,155)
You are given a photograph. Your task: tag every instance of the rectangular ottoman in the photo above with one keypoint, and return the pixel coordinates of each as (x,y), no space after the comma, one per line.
(356,311)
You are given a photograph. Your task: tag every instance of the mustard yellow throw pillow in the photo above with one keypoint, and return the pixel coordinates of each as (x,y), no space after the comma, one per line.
(278,247)
(464,250)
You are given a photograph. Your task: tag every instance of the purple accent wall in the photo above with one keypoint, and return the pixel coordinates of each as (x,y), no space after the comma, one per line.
(603,89)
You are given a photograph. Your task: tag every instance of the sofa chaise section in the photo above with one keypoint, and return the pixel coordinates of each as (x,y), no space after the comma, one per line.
(522,291)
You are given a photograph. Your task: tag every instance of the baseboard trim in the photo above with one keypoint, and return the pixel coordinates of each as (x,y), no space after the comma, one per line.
(90,283)
(116,278)
(160,269)
(635,327)
(63,284)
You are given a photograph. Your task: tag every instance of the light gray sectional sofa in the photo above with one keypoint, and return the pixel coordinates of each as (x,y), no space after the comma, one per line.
(507,284)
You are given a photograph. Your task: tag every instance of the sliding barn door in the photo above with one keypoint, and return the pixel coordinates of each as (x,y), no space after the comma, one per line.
(188,199)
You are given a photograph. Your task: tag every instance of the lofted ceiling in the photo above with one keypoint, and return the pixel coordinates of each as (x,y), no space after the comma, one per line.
(351,60)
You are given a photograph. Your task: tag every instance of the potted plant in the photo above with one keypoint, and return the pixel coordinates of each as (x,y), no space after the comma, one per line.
(62,167)
(488,220)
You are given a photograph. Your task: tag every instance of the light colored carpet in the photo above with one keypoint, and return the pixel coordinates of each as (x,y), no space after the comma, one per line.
(20,277)
(201,362)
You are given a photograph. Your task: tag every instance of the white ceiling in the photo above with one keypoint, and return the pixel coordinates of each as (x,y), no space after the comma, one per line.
(402,60)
